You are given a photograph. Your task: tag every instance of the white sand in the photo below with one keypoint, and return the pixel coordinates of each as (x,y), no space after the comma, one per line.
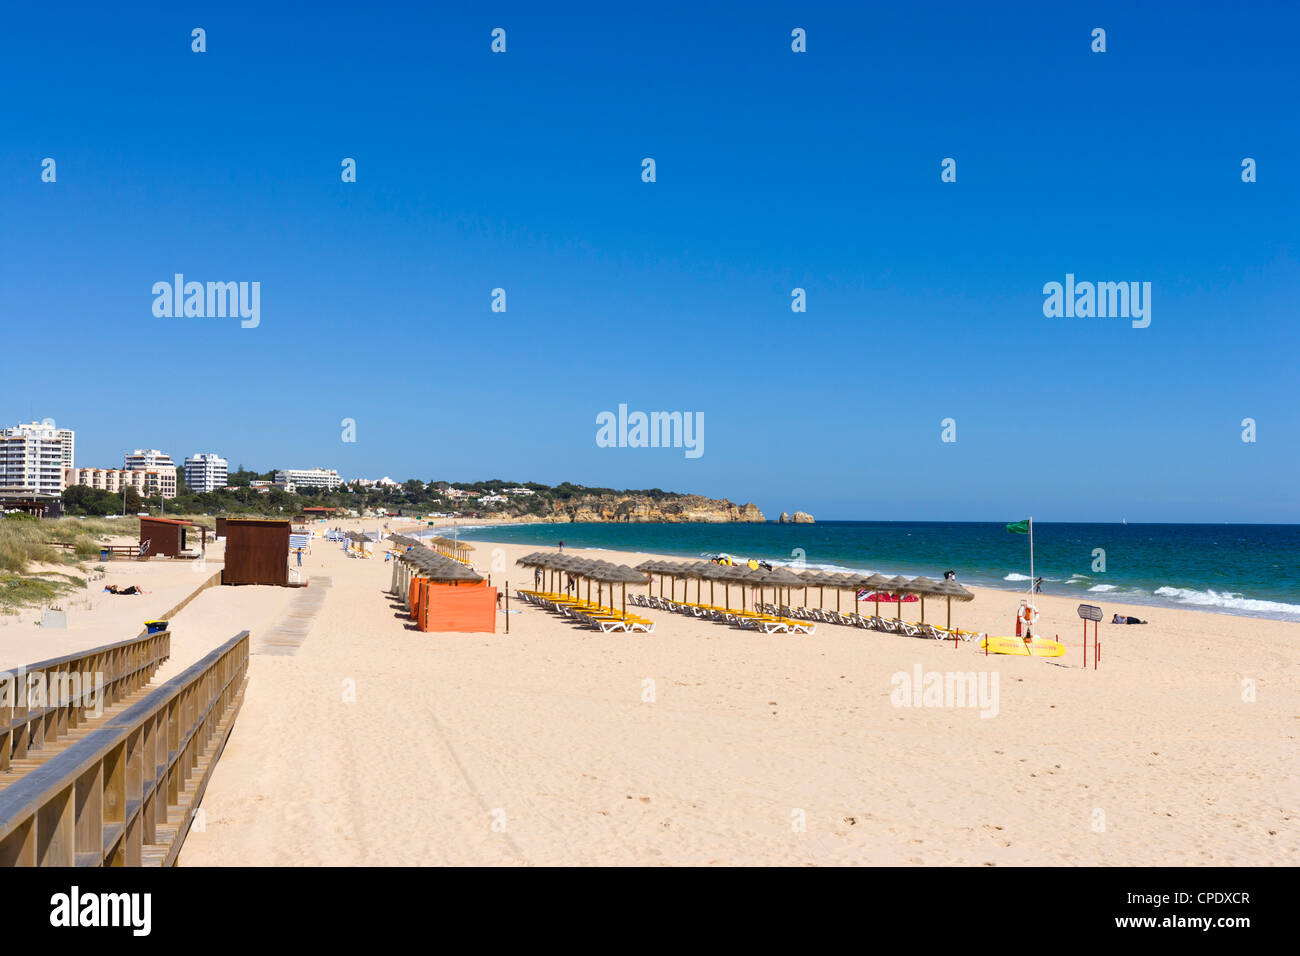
(1155,758)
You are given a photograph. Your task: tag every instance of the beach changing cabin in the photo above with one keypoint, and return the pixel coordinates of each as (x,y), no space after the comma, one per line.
(257,552)
(167,536)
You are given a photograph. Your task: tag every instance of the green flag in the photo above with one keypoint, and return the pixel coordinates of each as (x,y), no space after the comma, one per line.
(1019,527)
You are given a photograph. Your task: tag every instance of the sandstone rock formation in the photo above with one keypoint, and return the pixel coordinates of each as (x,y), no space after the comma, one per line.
(637,508)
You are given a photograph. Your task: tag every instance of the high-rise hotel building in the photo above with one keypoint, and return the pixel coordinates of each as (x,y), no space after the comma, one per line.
(33,457)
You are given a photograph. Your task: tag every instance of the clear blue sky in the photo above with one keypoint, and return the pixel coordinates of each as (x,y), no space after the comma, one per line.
(775,170)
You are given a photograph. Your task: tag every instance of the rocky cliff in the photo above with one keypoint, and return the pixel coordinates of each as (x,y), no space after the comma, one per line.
(642,509)
(799,517)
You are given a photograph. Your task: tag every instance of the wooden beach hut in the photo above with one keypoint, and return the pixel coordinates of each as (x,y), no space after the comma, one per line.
(167,536)
(257,552)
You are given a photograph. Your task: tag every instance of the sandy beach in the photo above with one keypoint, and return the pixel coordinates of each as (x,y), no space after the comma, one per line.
(703,744)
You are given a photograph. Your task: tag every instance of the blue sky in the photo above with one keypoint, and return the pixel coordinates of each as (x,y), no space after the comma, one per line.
(774,170)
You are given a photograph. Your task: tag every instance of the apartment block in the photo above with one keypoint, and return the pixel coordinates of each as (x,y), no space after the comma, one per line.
(32,457)
(205,473)
(147,482)
(144,459)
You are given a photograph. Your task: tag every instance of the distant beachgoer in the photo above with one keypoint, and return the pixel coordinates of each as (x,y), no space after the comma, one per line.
(537,577)
(114,589)
(950,575)
(1038,585)
(561,545)
(1121,619)
(299,557)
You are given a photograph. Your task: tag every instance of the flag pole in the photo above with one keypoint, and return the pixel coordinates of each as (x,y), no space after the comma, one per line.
(1031,560)
(1029,629)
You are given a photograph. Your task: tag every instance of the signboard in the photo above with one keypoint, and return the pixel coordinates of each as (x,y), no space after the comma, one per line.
(1089,612)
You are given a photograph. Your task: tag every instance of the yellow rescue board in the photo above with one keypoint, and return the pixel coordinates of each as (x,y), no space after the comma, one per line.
(1042,647)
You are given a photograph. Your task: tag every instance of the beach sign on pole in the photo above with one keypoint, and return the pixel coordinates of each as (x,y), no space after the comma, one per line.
(1089,612)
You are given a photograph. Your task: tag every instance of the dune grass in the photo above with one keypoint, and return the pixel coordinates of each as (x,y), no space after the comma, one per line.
(23,543)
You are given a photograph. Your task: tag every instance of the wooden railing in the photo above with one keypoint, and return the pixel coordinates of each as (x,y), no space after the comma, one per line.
(125,794)
(116,550)
(71,685)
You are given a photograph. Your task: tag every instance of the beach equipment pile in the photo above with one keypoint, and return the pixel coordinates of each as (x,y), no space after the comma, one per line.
(552,567)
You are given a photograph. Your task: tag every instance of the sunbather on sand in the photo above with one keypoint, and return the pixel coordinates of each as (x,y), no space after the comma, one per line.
(1121,619)
(132,589)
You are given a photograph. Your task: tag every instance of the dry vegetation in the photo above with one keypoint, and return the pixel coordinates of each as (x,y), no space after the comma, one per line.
(24,543)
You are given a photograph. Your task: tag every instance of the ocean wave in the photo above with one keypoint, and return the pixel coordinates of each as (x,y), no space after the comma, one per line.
(1102,588)
(1016,577)
(1227,599)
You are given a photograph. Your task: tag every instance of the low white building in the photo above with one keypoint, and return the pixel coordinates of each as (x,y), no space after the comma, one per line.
(291,479)
(206,472)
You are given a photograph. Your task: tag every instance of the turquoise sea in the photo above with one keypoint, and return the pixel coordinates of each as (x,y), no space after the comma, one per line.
(1237,569)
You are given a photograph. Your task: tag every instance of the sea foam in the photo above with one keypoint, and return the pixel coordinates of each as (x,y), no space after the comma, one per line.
(1227,599)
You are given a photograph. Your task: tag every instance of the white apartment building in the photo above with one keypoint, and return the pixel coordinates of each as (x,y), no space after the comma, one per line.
(32,457)
(518,491)
(291,479)
(149,481)
(205,473)
(143,459)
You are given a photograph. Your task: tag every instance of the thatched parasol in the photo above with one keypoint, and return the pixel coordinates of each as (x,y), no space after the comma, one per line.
(952,591)
(921,587)
(898,586)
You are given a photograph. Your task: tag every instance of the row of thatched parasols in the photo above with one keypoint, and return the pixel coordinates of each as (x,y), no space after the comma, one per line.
(780,579)
(433,566)
(785,580)
(591,570)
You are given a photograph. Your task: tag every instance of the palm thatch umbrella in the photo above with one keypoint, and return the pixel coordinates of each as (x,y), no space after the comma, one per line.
(877,583)
(623,575)
(710,574)
(897,586)
(842,582)
(951,590)
(811,579)
(923,586)
(778,578)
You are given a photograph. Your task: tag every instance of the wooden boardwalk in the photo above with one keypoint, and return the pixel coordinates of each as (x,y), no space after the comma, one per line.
(120,789)
(289,633)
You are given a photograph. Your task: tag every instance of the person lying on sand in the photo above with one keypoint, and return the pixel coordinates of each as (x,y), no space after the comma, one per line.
(114,589)
(1121,619)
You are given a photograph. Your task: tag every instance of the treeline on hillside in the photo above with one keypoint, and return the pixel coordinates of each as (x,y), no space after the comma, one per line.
(411,496)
